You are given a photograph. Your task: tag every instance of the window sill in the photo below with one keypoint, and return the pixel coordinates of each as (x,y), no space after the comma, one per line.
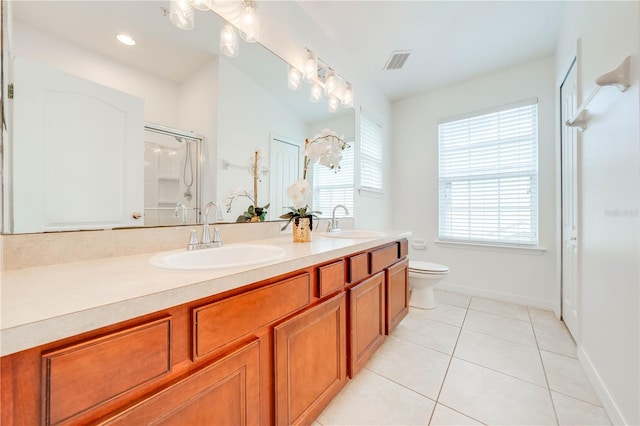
(535,251)
(370,192)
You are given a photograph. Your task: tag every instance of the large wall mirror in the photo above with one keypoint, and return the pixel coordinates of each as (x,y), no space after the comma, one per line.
(76,160)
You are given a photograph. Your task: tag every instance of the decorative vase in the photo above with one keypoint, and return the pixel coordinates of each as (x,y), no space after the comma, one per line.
(302,229)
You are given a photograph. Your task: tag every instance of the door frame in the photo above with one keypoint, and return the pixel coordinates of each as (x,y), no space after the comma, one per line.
(573,59)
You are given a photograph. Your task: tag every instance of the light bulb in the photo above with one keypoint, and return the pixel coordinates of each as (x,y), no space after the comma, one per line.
(229,44)
(293,80)
(181,14)
(249,24)
(333,103)
(316,93)
(202,4)
(331,83)
(126,39)
(310,67)
(347,96)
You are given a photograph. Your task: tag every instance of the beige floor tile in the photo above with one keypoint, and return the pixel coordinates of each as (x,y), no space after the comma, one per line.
(495,398)
(495,325)
(413,366)
(446,416)
(544,318)
(572,411)
(432,334)
(370,399)
(447,314)
(555,339)
(507,357)
(565,375)
(499,308)
(451,298)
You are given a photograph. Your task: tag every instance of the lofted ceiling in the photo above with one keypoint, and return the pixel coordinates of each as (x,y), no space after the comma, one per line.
(450,41)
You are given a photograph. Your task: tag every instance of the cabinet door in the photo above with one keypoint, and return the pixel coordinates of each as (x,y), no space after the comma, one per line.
(397,294)
(224,393)
(367,320)
(310,361)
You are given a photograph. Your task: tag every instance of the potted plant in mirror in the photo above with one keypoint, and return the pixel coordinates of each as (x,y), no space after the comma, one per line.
(326,149)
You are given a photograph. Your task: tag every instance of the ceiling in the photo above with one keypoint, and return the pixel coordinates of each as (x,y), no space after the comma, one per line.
(450,41)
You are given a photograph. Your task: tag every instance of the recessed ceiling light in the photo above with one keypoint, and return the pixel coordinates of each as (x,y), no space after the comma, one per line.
(126,39)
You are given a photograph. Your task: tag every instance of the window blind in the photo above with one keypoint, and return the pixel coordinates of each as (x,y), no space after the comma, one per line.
(331,188)
(488,177)
(370,153)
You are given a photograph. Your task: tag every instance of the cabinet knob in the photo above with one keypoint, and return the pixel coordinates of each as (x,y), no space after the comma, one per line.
(136,215)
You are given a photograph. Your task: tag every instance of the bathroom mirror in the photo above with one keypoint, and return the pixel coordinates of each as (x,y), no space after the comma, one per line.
(234,104)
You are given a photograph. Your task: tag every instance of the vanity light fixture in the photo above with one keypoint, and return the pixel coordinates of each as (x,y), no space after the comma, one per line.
(181,14)
(347,96)
(333,103)
(229,44)
(249,24)
(293,78)
(126,39)
(331,82)
(310,66)
(202,4)
(316,92)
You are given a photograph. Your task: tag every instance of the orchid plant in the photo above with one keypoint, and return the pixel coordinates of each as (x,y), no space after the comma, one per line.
(254,213)
(326,149)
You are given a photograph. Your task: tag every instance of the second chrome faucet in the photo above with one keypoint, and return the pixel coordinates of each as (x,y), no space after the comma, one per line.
(206,241)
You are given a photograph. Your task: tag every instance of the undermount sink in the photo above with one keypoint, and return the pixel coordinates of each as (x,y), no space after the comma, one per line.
(228,256)
(355,233)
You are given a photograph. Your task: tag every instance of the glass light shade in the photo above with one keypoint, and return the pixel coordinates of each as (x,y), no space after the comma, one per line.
(294,78)
(202,4)
(333,103)
(347,96)
(310,67)
(331,83)
(249,24)
(126,39)
(229,43)
(316,93)
(181,14)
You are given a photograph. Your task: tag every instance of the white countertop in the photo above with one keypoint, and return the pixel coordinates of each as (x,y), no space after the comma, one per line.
(44,304)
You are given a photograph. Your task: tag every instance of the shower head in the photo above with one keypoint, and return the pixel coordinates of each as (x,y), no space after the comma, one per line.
(179,139)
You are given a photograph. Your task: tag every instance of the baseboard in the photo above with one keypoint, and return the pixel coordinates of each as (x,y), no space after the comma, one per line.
(496,295)
(608,403)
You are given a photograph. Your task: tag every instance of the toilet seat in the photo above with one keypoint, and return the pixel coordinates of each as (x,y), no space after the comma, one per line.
(428,268)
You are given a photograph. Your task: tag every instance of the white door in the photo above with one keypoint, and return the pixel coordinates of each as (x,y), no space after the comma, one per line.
(284,170)
(78,152)
(569,176)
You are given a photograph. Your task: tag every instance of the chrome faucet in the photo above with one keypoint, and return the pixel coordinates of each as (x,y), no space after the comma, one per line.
(205,241)
(181,208)
(334,225)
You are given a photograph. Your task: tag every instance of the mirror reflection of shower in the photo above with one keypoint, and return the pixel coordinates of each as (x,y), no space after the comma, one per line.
(172,160)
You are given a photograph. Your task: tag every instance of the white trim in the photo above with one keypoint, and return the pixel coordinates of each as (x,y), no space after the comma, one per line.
(530,250)
(547,305)
(490,110)
(369,192)
(608,403)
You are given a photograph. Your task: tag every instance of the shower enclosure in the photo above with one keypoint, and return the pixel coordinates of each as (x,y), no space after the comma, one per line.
(172,159)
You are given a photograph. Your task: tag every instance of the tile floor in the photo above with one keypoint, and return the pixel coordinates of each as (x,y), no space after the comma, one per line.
(471,361)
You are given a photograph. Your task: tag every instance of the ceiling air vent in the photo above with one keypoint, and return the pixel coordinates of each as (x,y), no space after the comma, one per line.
(397,59)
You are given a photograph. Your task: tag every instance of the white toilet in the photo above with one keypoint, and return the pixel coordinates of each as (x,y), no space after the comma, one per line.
(422,277)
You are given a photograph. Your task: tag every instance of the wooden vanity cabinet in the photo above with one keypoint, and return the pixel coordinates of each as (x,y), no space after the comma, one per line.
(310,361)
(272,352)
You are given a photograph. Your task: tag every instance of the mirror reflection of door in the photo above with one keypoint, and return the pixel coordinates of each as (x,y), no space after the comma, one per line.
(284,171)
(171,176)
(77,138)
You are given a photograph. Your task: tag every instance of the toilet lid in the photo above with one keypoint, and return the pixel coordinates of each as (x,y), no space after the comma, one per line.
(420,266)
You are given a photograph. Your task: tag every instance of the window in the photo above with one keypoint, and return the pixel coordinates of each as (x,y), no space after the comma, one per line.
(370,153)
(331,188)
(488,169)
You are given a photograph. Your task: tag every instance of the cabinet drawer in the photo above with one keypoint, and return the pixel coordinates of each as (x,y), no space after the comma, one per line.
(404,248)
(358,267)
(85,375)
(221,322)
(330,278)
(383,257)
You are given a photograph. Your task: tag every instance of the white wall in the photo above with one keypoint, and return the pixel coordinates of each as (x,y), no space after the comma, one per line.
(508,274)
(247,117)
(609,342)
